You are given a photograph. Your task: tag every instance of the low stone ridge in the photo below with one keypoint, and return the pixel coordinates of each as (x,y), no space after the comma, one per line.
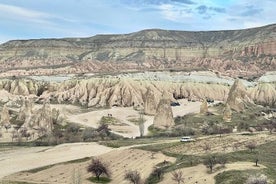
(247,52)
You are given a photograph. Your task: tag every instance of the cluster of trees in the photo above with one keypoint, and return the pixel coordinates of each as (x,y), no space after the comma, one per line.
(98,168)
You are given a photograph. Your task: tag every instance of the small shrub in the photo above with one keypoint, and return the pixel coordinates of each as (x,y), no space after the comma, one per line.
(133,176)
(262,179)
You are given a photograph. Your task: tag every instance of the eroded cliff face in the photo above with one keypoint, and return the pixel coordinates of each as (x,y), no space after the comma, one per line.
(238,97)
(116,91)
(237,52)
(264,94)
(163,118)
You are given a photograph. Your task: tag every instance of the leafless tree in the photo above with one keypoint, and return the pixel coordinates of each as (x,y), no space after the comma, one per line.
(98,168)
(133,176)
(251,146)
(178,176)
(158,172)
(141,122)
(7,126)
(271,125)
(14,134)
(210,162)
(236,146)
(206,147)
(222,160)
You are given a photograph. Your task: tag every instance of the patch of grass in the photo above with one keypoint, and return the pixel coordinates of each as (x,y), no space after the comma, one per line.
(109,120)
(159,147)
(78,160)
(101,180)
(265,153)
(126,142)
(231,177)
(36,170)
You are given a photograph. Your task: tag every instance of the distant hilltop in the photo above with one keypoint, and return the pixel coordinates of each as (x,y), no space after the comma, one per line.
(246,53)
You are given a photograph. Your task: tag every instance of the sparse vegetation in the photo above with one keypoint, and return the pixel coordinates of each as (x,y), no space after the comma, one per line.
(262,179)
(178,176)
(133,176)
(251,146)
(210,162)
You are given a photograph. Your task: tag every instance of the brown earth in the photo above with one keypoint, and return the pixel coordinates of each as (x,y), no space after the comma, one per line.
(119,160)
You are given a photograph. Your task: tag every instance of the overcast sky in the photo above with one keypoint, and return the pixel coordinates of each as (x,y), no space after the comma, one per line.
(24,19)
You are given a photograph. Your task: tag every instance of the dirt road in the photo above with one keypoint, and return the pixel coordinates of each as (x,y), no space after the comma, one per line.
(129,129)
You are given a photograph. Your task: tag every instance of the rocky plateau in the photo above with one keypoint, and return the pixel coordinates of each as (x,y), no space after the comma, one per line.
(247,53)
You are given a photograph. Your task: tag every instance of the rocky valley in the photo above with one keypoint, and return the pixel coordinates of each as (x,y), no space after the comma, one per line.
(150,87)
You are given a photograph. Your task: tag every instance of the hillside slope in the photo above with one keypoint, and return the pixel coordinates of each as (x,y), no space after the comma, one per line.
(234,52)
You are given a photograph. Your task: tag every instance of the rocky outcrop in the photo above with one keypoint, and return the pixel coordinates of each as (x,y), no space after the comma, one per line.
(150,104)
(238,97)
(163,118)
(26,110)
(100,92)
(5,116)
(23,87)
(204,107)
(227,113)
(131,91)
(251,51)
(41,120)
(264,94)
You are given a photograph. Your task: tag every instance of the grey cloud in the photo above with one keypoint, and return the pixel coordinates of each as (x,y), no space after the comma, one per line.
(202,9)
(218,10)
(251,10)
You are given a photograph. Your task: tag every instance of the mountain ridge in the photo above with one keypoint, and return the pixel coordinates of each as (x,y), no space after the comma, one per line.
(147,49)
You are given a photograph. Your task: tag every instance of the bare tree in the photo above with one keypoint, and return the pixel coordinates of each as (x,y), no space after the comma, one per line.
(236,146)
(7,126)
(256,161)
(210,162)
(24,133)
(141,122)
(14,134)
(133,176)
(251,146)
(272,125)
(98,168)
(206,147)
(103,130)
(158,172)
(222,160)
(178,176)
